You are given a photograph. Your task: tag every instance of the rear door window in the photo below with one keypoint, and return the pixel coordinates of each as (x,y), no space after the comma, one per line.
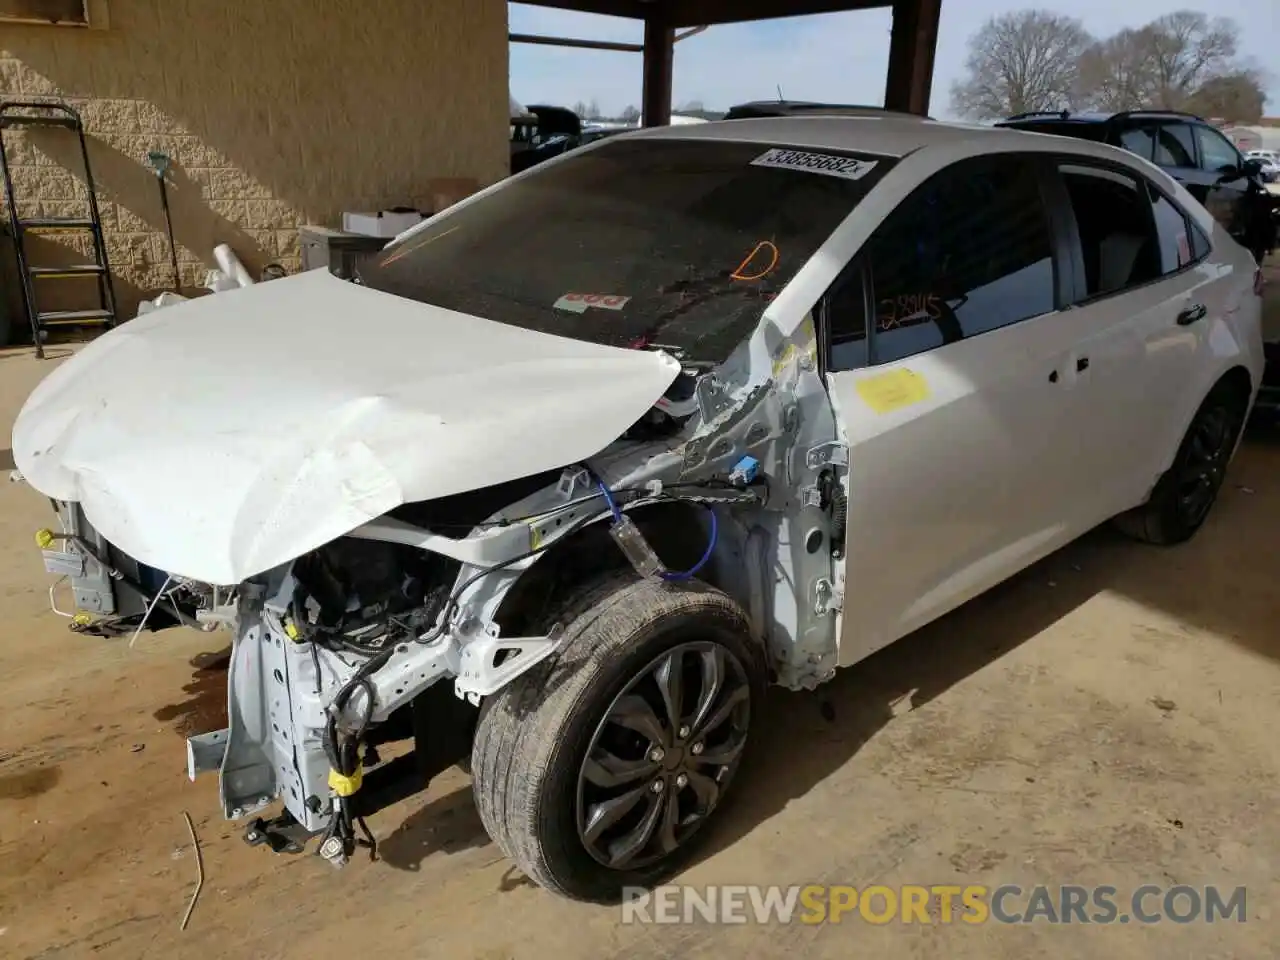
(1217,155)
(1114,224)
(1140,140)
(966,253)
(1173,230)
(1174,145)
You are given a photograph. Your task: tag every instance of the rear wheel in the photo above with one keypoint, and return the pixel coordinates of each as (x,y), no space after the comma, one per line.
(599,768)
(1183,497)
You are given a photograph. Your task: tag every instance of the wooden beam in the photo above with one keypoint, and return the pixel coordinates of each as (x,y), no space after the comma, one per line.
(635,9)
(574,42)
(659,64)
(912,46)
(694,13)
(690,13)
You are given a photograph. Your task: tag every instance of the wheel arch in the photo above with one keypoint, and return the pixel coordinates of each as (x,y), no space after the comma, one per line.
(1236,378)
(679,533)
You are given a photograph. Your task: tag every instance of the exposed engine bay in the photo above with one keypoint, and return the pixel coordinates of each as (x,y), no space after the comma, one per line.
(400,628)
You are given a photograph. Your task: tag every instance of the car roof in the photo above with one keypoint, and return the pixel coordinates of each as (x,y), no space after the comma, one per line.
(934,143)
(797,108)
(888,135)
(1066,116)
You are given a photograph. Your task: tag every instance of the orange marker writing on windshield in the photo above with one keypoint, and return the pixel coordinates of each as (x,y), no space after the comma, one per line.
(773,262)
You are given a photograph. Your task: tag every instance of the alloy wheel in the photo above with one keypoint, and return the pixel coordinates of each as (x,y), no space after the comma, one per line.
(1205,464)
(660,760)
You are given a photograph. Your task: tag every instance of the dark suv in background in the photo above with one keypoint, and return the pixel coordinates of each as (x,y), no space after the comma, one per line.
(1192,150)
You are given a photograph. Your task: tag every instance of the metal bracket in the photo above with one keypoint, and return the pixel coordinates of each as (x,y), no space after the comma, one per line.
(713,398)
(64,563)
(574,483)
(479,675)
(205,752)
(811,496)
(283,834)
(832,451)
(825,598)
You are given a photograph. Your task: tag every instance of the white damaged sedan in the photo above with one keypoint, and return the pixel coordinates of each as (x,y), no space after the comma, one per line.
(581,464)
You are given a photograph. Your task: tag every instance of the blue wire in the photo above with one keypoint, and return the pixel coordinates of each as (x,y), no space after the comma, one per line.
(702,562)
(608,498)
(668,574)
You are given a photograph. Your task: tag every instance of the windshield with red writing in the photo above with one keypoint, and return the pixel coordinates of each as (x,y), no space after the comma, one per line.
(640,242)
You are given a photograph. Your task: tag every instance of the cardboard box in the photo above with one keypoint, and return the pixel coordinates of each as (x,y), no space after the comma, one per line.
(384,223)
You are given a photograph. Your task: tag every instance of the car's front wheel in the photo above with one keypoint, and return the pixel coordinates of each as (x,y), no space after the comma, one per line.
(599,768)
(1183,497)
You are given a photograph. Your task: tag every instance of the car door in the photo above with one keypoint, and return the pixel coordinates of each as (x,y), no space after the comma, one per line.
(1141,327)
(1227,187)
(943,348)
(1175,150)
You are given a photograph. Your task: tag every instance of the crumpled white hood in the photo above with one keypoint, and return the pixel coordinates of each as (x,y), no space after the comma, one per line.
(219,438)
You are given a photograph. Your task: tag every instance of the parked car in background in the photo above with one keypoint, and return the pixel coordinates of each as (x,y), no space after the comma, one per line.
(1193,151)
(553,131)
(1270,160)
(690,411)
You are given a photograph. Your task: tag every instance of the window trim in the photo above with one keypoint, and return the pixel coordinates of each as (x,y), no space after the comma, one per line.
(1042,169)
(1213,131)
(1136,124)
(1080,288)
(1195,144)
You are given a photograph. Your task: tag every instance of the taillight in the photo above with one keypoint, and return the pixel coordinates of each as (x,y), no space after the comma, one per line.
(1257,282)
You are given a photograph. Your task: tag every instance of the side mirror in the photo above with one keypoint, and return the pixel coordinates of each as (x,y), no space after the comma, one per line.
(1251,168)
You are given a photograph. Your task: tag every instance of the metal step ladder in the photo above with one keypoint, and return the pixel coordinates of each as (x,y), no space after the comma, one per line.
(55,113)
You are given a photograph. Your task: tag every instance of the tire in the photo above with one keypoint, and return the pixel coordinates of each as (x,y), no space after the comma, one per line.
(1170,516)
(528,760)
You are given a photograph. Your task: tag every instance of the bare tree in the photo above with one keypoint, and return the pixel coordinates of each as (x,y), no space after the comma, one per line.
(1027,60)
(629,115)
(581,109)
(1235,97)
(593,111)
(1164,65)
(1186,50)
(1116,73)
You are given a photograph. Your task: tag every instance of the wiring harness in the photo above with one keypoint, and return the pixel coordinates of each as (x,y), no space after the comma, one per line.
(342,743)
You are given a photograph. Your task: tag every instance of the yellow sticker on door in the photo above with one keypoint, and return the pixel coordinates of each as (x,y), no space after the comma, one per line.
(886,392)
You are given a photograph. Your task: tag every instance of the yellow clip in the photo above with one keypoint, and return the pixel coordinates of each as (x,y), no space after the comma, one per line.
(82,619)
(290,630)
(44,538)
(346,786)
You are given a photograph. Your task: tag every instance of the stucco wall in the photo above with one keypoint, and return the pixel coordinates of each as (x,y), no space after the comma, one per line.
(275,113)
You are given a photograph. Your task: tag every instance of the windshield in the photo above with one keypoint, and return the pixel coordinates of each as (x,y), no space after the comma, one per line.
(640,242)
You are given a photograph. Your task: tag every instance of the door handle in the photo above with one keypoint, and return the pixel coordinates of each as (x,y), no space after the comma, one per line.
(1082,364)
(1191,314)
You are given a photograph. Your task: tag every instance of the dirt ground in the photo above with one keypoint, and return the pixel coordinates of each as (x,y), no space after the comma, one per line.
(1108,717)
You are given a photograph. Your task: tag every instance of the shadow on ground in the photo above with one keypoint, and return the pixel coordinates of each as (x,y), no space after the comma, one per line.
(802,738)
(205,708)
(448,824)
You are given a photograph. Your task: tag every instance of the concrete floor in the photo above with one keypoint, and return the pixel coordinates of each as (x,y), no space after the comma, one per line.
(1108,717)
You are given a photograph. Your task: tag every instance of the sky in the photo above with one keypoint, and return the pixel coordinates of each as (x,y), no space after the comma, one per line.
(837,57)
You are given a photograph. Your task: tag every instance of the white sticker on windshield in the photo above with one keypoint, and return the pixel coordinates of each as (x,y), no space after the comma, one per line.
(578,302)
(825,163)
